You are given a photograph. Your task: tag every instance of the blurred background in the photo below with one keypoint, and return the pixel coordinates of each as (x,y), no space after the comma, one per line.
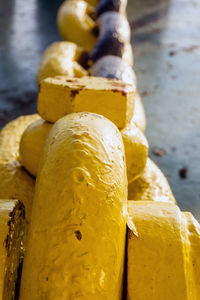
(166,41)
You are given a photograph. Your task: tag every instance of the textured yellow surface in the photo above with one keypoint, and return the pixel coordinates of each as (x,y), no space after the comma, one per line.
(11,243)
(139,115)
(62,95)
(61,58)
(78,225)
(136,150)
(193,231)
(32,143)
(5,209)
(14,244)
(151,185)
(162,260)
(75,23)
(15,182)
(33,139)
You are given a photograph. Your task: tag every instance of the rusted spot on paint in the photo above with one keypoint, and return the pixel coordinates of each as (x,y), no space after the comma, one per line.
(123,93)
(119,84)
(78,235)
(73,93)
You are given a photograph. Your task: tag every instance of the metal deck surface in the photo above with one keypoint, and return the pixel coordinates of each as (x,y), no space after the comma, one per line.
(166,40)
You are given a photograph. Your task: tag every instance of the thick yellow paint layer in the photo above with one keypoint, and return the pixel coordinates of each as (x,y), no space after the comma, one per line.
(193,233)
(152,185)
(32,143)
(15,182)
(160,257)
(61,58)
(78,225)
(5,209)
(33,139)
(75,23)
(11,246)
(62,95)
(136,150)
